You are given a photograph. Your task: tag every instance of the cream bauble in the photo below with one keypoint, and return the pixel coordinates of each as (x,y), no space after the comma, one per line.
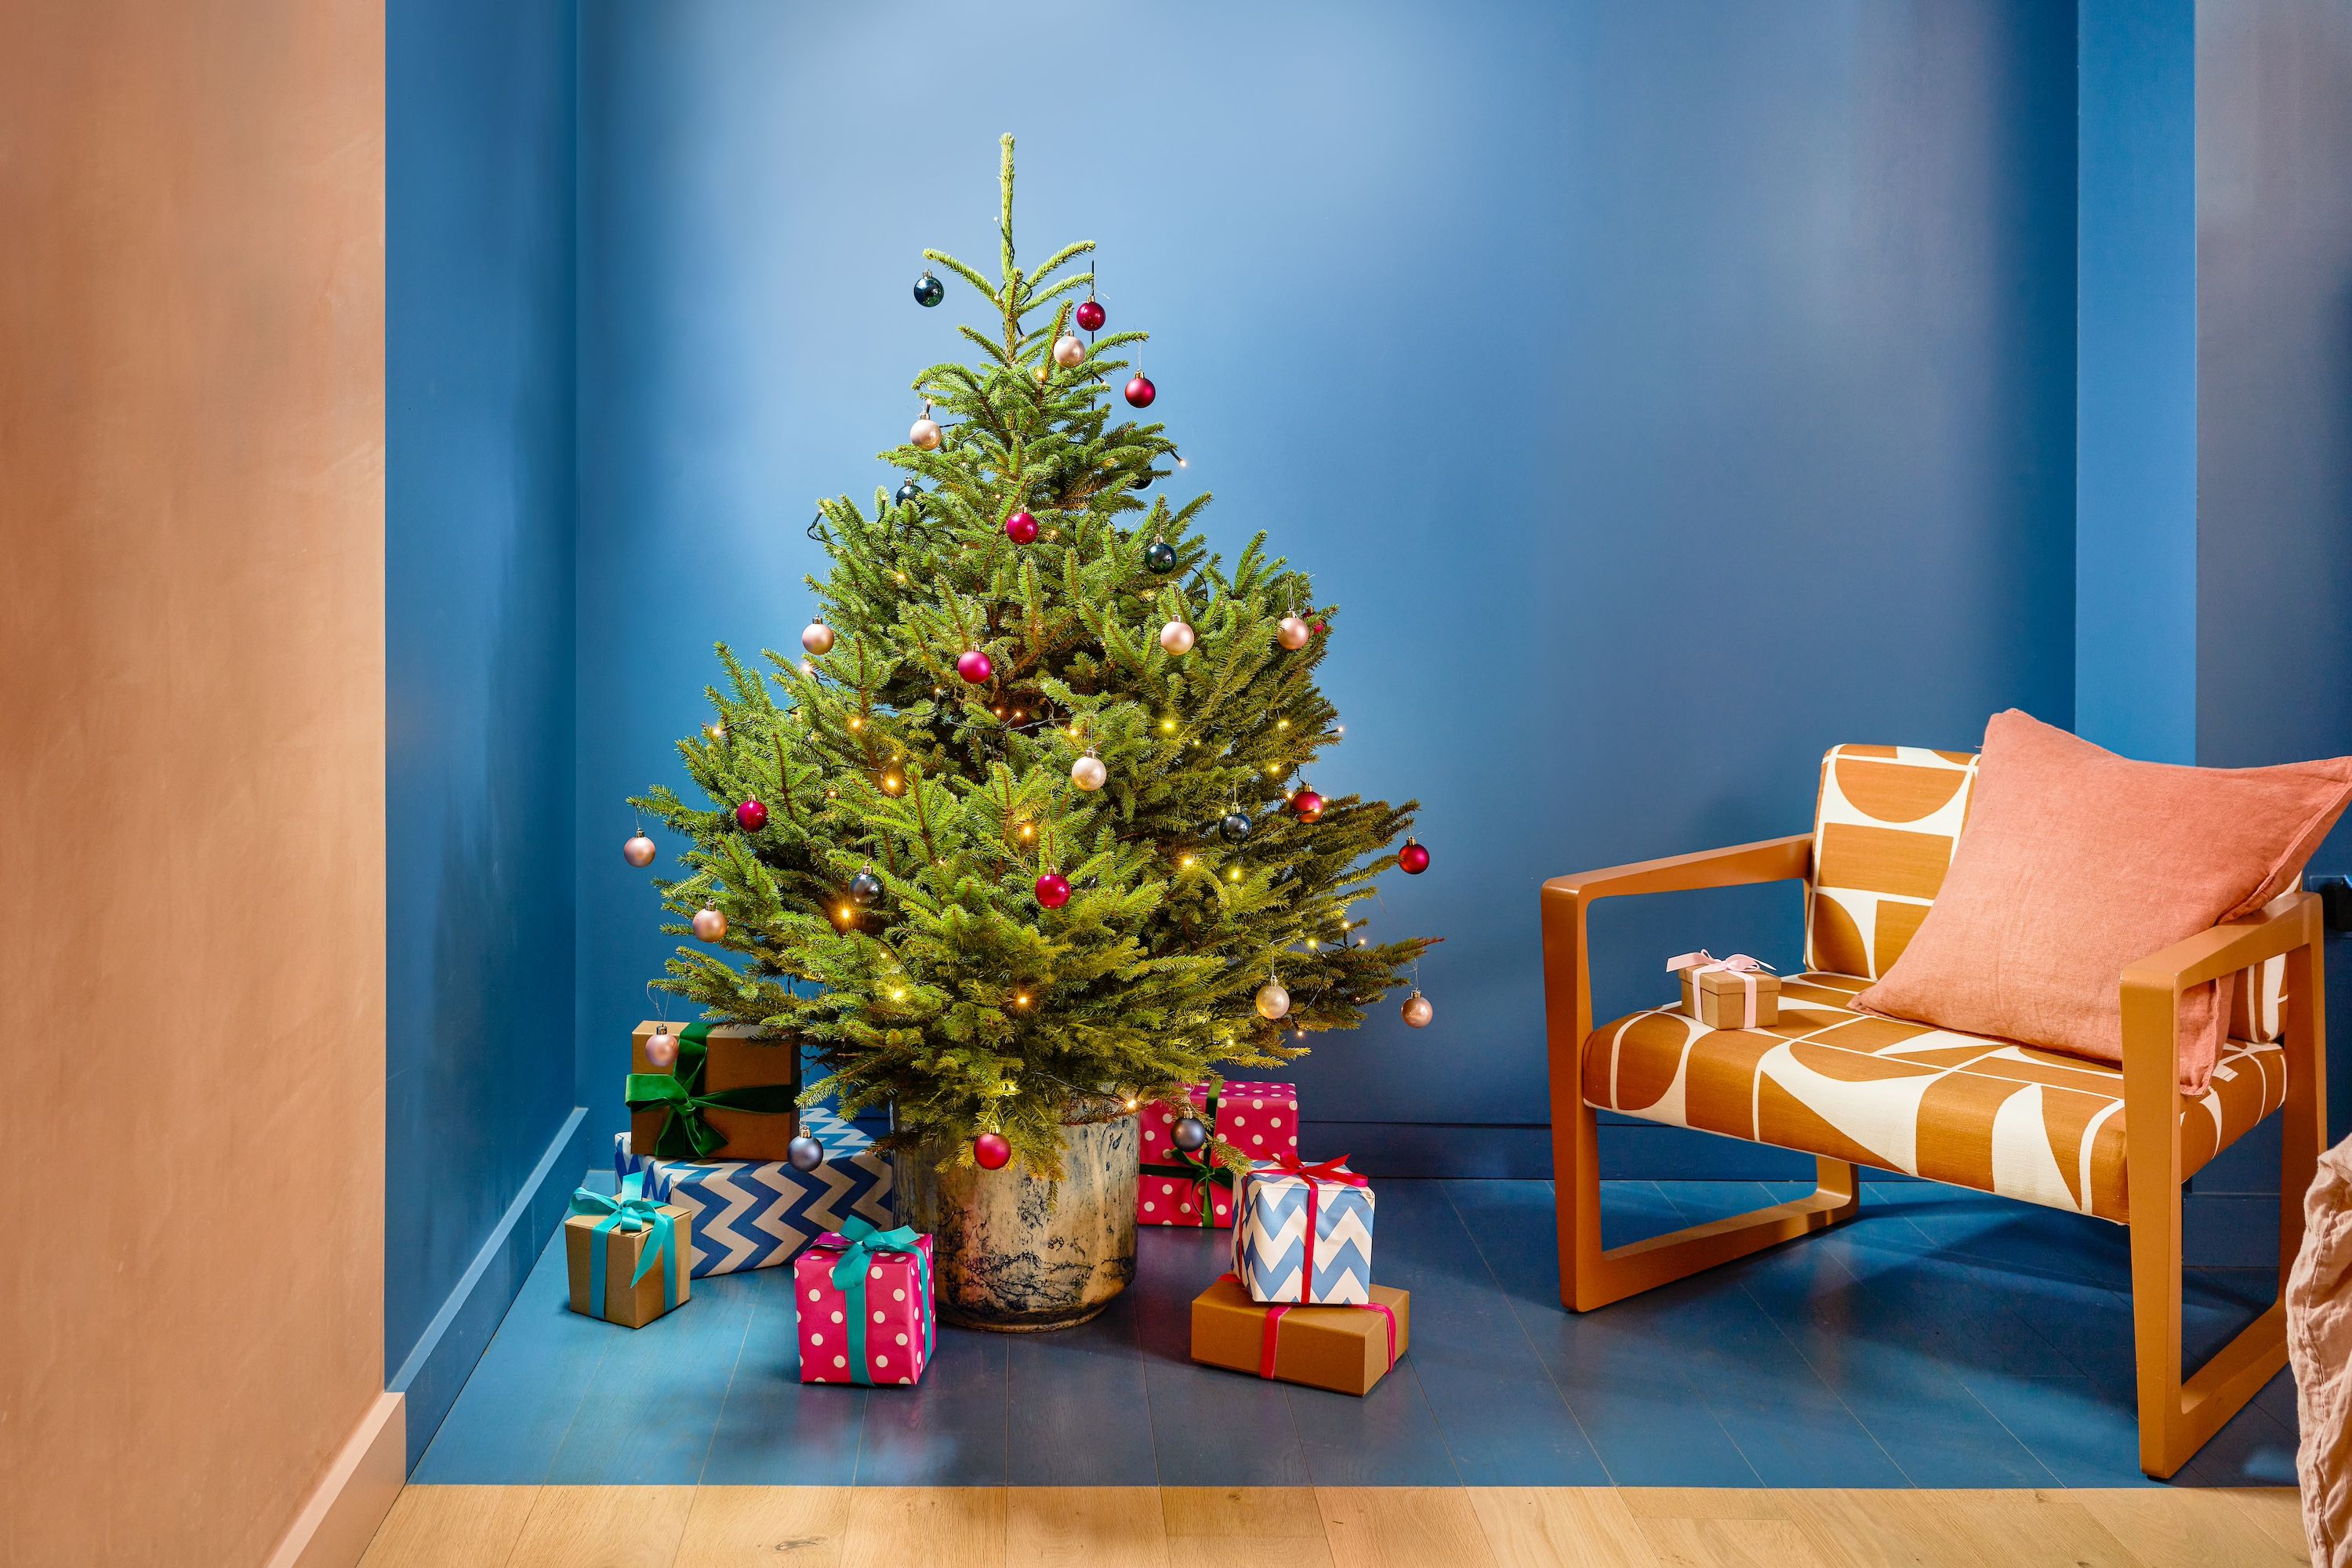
(1292,633)
(1069,351)
(638,851)
(1273,1001)
(1416,1011)
(817,637)
(925,434)
(661,1050)
(709,925)
(1177,637)
(1088,772)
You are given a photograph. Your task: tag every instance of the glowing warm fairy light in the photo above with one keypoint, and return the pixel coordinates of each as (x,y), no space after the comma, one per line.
(842,912)
(1186,863)
(1027,831)
(833,795)
(1282,723)
(1235,875)
(1339,729)
(807,668)
(897,996)
(900,575)
(1021,999)
(892,783)
(1168,726)
(857,724)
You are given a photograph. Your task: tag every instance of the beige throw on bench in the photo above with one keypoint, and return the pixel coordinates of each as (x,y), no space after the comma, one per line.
(2319,1345)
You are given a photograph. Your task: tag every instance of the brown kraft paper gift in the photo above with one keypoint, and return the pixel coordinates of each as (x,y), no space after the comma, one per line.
(632,1306)
(737,1057)
(1718,998)
(1343,1349)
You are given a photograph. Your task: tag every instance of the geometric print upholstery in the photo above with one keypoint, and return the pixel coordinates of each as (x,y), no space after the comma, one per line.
(1882,836)
(1981,1113)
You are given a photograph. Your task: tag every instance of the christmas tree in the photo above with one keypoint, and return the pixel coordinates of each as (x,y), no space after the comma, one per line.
(1025,835)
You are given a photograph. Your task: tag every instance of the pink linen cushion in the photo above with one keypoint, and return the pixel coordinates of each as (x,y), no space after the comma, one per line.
(2075,863)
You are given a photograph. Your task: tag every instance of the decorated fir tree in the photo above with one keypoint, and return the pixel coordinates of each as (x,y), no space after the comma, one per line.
(1025,836)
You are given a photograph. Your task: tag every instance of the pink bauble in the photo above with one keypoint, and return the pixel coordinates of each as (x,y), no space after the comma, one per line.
(1292,633)
(1176,638)
(817,637)
(661,1050)
(925,434)
(1141,392)
(1021,528)
(1052,890)
(1307,804)
(709,925)
(1091,315)
(1413,859)
(975,667)
(751,816)
(1069,351)
(1088,773)
(1416,1011)
(638,851)
(990,1150)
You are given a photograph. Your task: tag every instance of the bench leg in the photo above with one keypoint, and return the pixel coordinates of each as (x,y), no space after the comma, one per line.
(1590,1277)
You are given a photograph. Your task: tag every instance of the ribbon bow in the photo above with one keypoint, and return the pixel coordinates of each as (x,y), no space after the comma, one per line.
(1335,1172)
(685,1134)
(1694,964)
(630,1211)
(1204,1173)
(857,1241)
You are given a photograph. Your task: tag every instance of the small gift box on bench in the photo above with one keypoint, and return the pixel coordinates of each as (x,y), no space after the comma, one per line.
(1735,993)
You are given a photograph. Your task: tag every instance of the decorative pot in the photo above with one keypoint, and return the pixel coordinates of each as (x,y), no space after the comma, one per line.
(1016,1253)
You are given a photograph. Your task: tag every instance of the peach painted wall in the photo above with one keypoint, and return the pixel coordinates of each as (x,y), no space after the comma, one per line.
(191,768)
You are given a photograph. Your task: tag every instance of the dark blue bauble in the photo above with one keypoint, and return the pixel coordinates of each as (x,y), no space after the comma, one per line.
(1235,826)
(909,494)
(1190,1134)
(866,888)
(804,1152)
(1160,557)
(929,290)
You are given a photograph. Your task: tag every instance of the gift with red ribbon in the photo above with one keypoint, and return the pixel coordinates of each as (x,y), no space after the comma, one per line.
(1735,993)
(1303,1234)
(1346,1349)
(1181,1187)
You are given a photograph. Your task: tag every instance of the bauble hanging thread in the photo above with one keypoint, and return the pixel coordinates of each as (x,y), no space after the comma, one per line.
(638,851)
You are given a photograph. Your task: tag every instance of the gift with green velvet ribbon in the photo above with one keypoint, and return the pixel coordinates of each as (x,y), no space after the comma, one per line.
(631,1211)
(1197,1168)
(685,1133)
(855,1247)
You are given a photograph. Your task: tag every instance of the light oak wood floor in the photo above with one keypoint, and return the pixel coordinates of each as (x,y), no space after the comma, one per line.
(1398,1527)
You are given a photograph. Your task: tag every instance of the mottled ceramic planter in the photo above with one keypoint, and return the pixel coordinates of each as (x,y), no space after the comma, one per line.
(1017,1253)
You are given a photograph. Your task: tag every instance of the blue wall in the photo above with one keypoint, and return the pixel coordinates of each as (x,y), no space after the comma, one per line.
(1668,393)
(479,565)
(2135,488)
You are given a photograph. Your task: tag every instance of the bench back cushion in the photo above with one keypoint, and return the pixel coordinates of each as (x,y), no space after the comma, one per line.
(1883,836)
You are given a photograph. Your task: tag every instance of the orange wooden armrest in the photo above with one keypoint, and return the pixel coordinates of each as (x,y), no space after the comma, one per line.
(1766,860)
(2283,924)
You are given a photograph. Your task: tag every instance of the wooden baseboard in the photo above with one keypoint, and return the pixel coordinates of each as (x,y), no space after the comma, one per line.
(340,1515)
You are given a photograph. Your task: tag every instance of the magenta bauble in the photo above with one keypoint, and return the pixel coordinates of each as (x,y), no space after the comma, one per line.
(1307,804)
(1052,890)
(990,1150)
(1021,528)
(975,667)
(1141,392)
(1091,315)
(751,816)
(1413,859)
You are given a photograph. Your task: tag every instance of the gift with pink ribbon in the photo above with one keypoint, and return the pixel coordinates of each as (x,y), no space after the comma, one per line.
(1735,993)
(1346,1349)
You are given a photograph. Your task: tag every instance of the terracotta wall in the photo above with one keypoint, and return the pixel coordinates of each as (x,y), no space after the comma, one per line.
(190,767)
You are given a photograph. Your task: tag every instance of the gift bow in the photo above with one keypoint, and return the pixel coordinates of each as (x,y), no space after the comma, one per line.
(632,1212)
(1271,1335)
(685,1134)
(857,1241)
(1334,1171)
(1694,964)
(1204,1173)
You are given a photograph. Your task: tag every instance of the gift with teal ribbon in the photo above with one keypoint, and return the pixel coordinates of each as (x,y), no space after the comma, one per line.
(669,1109)
(654,1236)
(864,1300)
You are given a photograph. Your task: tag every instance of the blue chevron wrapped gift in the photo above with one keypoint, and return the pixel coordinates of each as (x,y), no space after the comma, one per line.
(1303,1234)
(757,1214)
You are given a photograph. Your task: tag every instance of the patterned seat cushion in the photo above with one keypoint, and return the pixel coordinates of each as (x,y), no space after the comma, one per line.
(1976,1112)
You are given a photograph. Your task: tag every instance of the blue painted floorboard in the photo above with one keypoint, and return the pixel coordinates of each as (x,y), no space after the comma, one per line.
(1941,1339)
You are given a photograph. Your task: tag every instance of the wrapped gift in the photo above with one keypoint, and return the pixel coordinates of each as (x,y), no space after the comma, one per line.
(1735,993)
(864,1300)
(1181,1188)
(756,1214)
(626,1255)
(728,1096)
(1303,1234)
(1344,1349)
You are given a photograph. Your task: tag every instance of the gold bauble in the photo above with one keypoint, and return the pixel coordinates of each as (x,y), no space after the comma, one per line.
(1416,1011)
(1273,1001)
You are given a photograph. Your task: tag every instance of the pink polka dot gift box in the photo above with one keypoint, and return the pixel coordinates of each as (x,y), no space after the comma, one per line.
(862,1296)
(1185,1187)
